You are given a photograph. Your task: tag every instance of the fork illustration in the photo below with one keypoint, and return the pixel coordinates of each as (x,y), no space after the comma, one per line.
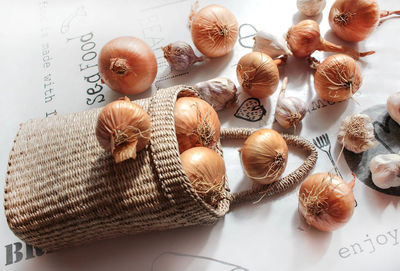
(324,144)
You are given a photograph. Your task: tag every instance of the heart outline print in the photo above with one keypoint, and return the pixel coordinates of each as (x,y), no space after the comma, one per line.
(251,110)
(246,31)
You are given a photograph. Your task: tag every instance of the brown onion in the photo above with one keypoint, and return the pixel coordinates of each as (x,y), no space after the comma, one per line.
(337,78)
(127,65)
(196,124)
(214,30)
(123,128)
(206,172)
(326,201)
(304,38)
(264,156)
(354,20)
(258,74)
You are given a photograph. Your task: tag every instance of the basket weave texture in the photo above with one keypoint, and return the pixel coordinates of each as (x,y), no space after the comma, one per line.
(62,189)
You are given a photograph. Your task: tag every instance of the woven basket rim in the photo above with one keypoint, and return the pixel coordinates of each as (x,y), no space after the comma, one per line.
(223,205)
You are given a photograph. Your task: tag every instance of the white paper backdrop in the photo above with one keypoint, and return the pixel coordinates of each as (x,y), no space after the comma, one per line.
(48,63)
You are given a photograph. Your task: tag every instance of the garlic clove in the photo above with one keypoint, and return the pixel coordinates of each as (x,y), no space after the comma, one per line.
(393,106)
(180,55)
(220,92)
(356,133)
(270,44)
(385,170)
(289,111)
(311,7)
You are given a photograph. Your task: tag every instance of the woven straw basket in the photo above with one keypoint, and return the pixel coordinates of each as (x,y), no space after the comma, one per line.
(62,189)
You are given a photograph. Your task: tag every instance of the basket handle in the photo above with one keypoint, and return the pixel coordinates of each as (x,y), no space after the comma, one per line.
(281,185)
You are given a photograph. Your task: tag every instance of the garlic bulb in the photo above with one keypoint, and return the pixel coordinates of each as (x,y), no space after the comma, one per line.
(270,44)
(311,7)
(385,170)
(180,55)
(289,110)
(220,92)
(356,133)
(393,106)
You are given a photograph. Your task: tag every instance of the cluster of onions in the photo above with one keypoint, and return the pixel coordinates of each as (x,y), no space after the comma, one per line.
(337,78)
(123,128)
(304,38)
(206,172)
(196,124)
(258,74)
(326,201)
(197,130)
(355,20)
(214,30)
(127,65)
(264,156)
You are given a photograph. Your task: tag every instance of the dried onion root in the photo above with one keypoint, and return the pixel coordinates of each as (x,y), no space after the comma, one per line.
(206,171)
(326,201)
(356,133)
(264,156)
(337,78)
(123,128)
(196,124)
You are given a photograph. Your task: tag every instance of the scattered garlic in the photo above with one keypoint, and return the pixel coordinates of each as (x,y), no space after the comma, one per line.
(356,133)
(220,92)
(269,44)
(311,7)
(393,106)
(180,55)
(385,169)
(289,110)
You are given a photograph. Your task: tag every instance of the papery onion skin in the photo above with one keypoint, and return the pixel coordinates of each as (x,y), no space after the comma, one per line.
(214,31)
(304,38)
(264,156)
(196,124)
(127,65)
(354,20)
(123,128)
(326,201)
(206,171)
(337,78)
(258,74)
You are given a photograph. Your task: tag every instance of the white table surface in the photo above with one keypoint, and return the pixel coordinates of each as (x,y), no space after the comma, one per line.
(41,59)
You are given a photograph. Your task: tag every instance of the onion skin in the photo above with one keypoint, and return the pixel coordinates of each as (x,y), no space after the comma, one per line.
(326,201)
(127,65)
(354,20)
(214,31)
(304,38)
(258,74)
(206,171)
(260,151)
(337,78)
(196,124)
(123,128)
